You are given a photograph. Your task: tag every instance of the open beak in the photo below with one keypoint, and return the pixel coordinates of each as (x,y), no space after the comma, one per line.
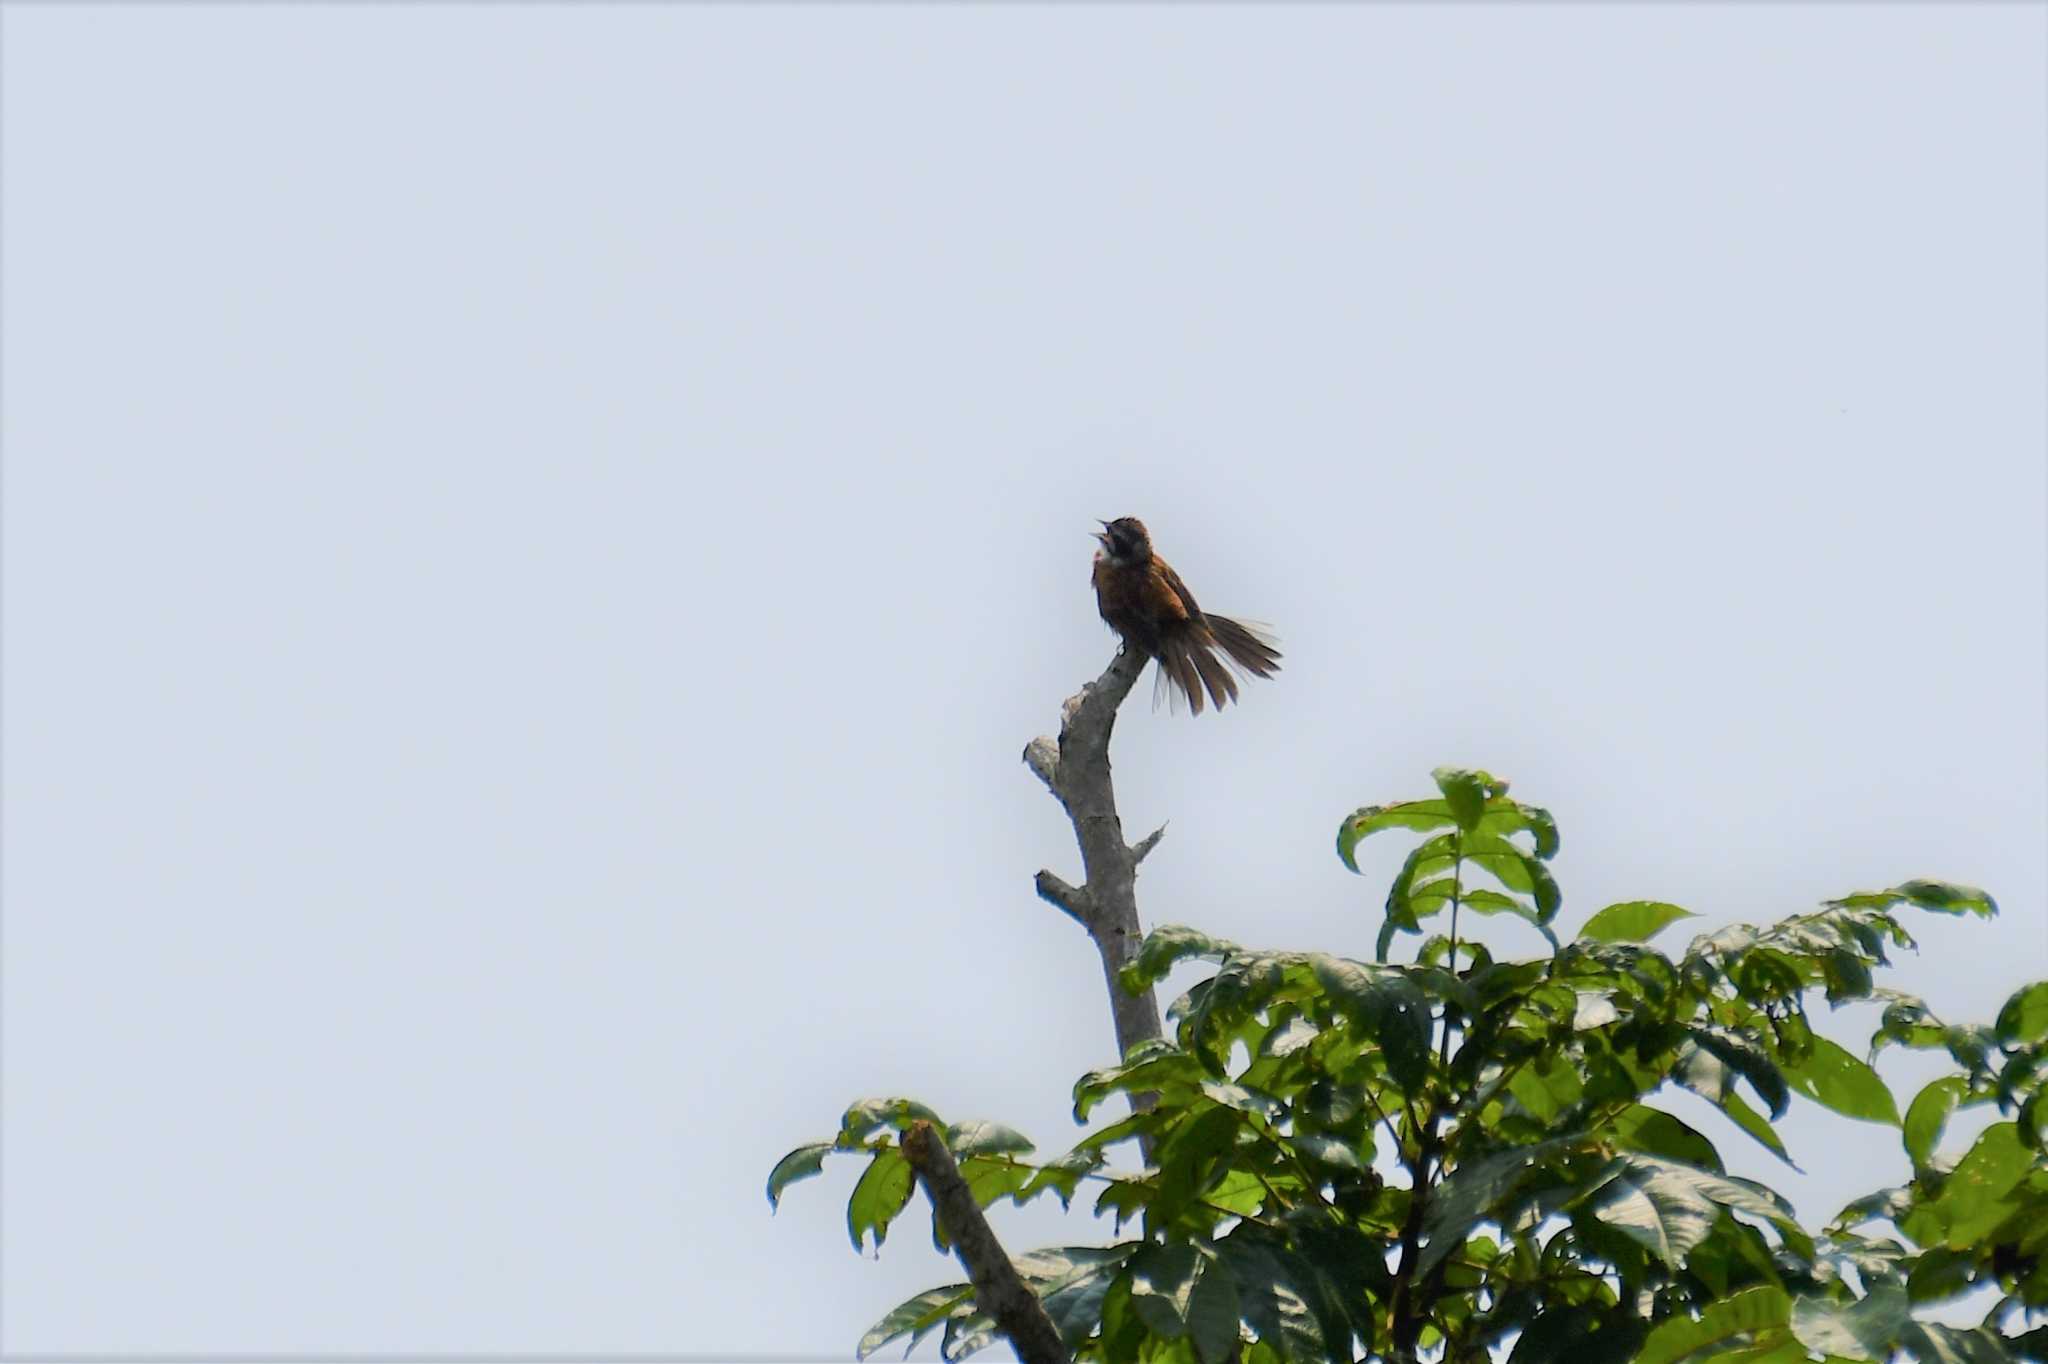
(1102,536)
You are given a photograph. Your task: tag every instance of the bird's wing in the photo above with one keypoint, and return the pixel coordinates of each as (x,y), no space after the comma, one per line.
(1177,588)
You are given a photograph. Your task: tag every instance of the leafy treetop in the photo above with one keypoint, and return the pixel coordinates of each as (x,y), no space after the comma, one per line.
(1459,1156)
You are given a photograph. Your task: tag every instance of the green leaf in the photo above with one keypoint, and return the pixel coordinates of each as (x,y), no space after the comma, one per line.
(1466,793)
(917,1315)
(1389,1006)
(1866,1329)
(1213,1311)
(881,1194)
(1633,921)
(1890,1204)
(1546,1086)
(1162,1282)
(1430,897)
(1158,1066)
(1124,1197)
(1549,899)
(2029,1344)
(1504,816)
(1480,900)
(1502,860)
(1737,1195)
(1243,1098)
(1329,1152)
(1847,976)
(1932,1343)
(1942,897)
(1777,1347)
(1666,1216)
(1190,1157)
(1439,984)
(1421,815)
(1670,1206)
(1908,1022)
(1929,1113)
(1064,1175)
(1241,1192)
(1165,947)
(965,1335)
(2025,1016)
(1748,1060)
(1388,927)
(1472,1192)
(1050,1265)
(1350,984)
(1225,1008)
(870,1116)
(985,1138)
(1752,1312)
(1831,1076)
(1274,1301)
(1123,1129)
(2033,1121)
(1517,870)
(1970,1045)
(1290,1037)
(801,1163)
(1946,897)
(1978,1193)
(1652,1131)
(1076,1308)
(990,1177)
(1073,1287)
(1556,1334)
(1941,1273)
(1490,902)
(1404,1040)
(1424,861)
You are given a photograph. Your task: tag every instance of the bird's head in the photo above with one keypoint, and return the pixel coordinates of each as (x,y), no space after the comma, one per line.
(1124,540)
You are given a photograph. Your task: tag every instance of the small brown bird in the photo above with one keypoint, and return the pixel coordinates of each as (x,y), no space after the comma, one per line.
(1145,601)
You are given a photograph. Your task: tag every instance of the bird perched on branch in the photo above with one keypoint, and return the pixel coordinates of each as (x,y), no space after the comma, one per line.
(1145,601)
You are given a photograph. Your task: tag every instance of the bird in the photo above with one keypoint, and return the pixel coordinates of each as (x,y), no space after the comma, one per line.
(1144,600)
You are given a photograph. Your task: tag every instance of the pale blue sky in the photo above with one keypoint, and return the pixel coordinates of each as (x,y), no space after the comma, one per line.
(535,536)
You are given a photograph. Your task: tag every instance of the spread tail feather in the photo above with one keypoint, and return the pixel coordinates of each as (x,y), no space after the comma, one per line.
(1222,686)
(1179,675)
(1189,665)
(1250,649)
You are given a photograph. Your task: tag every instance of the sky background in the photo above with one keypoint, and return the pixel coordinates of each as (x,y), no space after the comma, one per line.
(535,537)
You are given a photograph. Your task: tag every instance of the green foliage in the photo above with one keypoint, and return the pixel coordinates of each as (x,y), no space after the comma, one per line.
(1462,1158)
(1635,921)
(1482,825)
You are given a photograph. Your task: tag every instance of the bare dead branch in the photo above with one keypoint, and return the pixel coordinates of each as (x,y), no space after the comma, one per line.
(1076,769)
(1055,891)
(1042,756)
(1145,845)
(998,1289)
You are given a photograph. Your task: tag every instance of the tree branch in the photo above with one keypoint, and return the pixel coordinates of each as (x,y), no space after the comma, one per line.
(1070,898)
(1408,1307)
(1075,768)
(998,1289)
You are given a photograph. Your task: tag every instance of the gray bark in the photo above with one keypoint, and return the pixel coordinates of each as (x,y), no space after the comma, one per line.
(1075,768)
(998,1289)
